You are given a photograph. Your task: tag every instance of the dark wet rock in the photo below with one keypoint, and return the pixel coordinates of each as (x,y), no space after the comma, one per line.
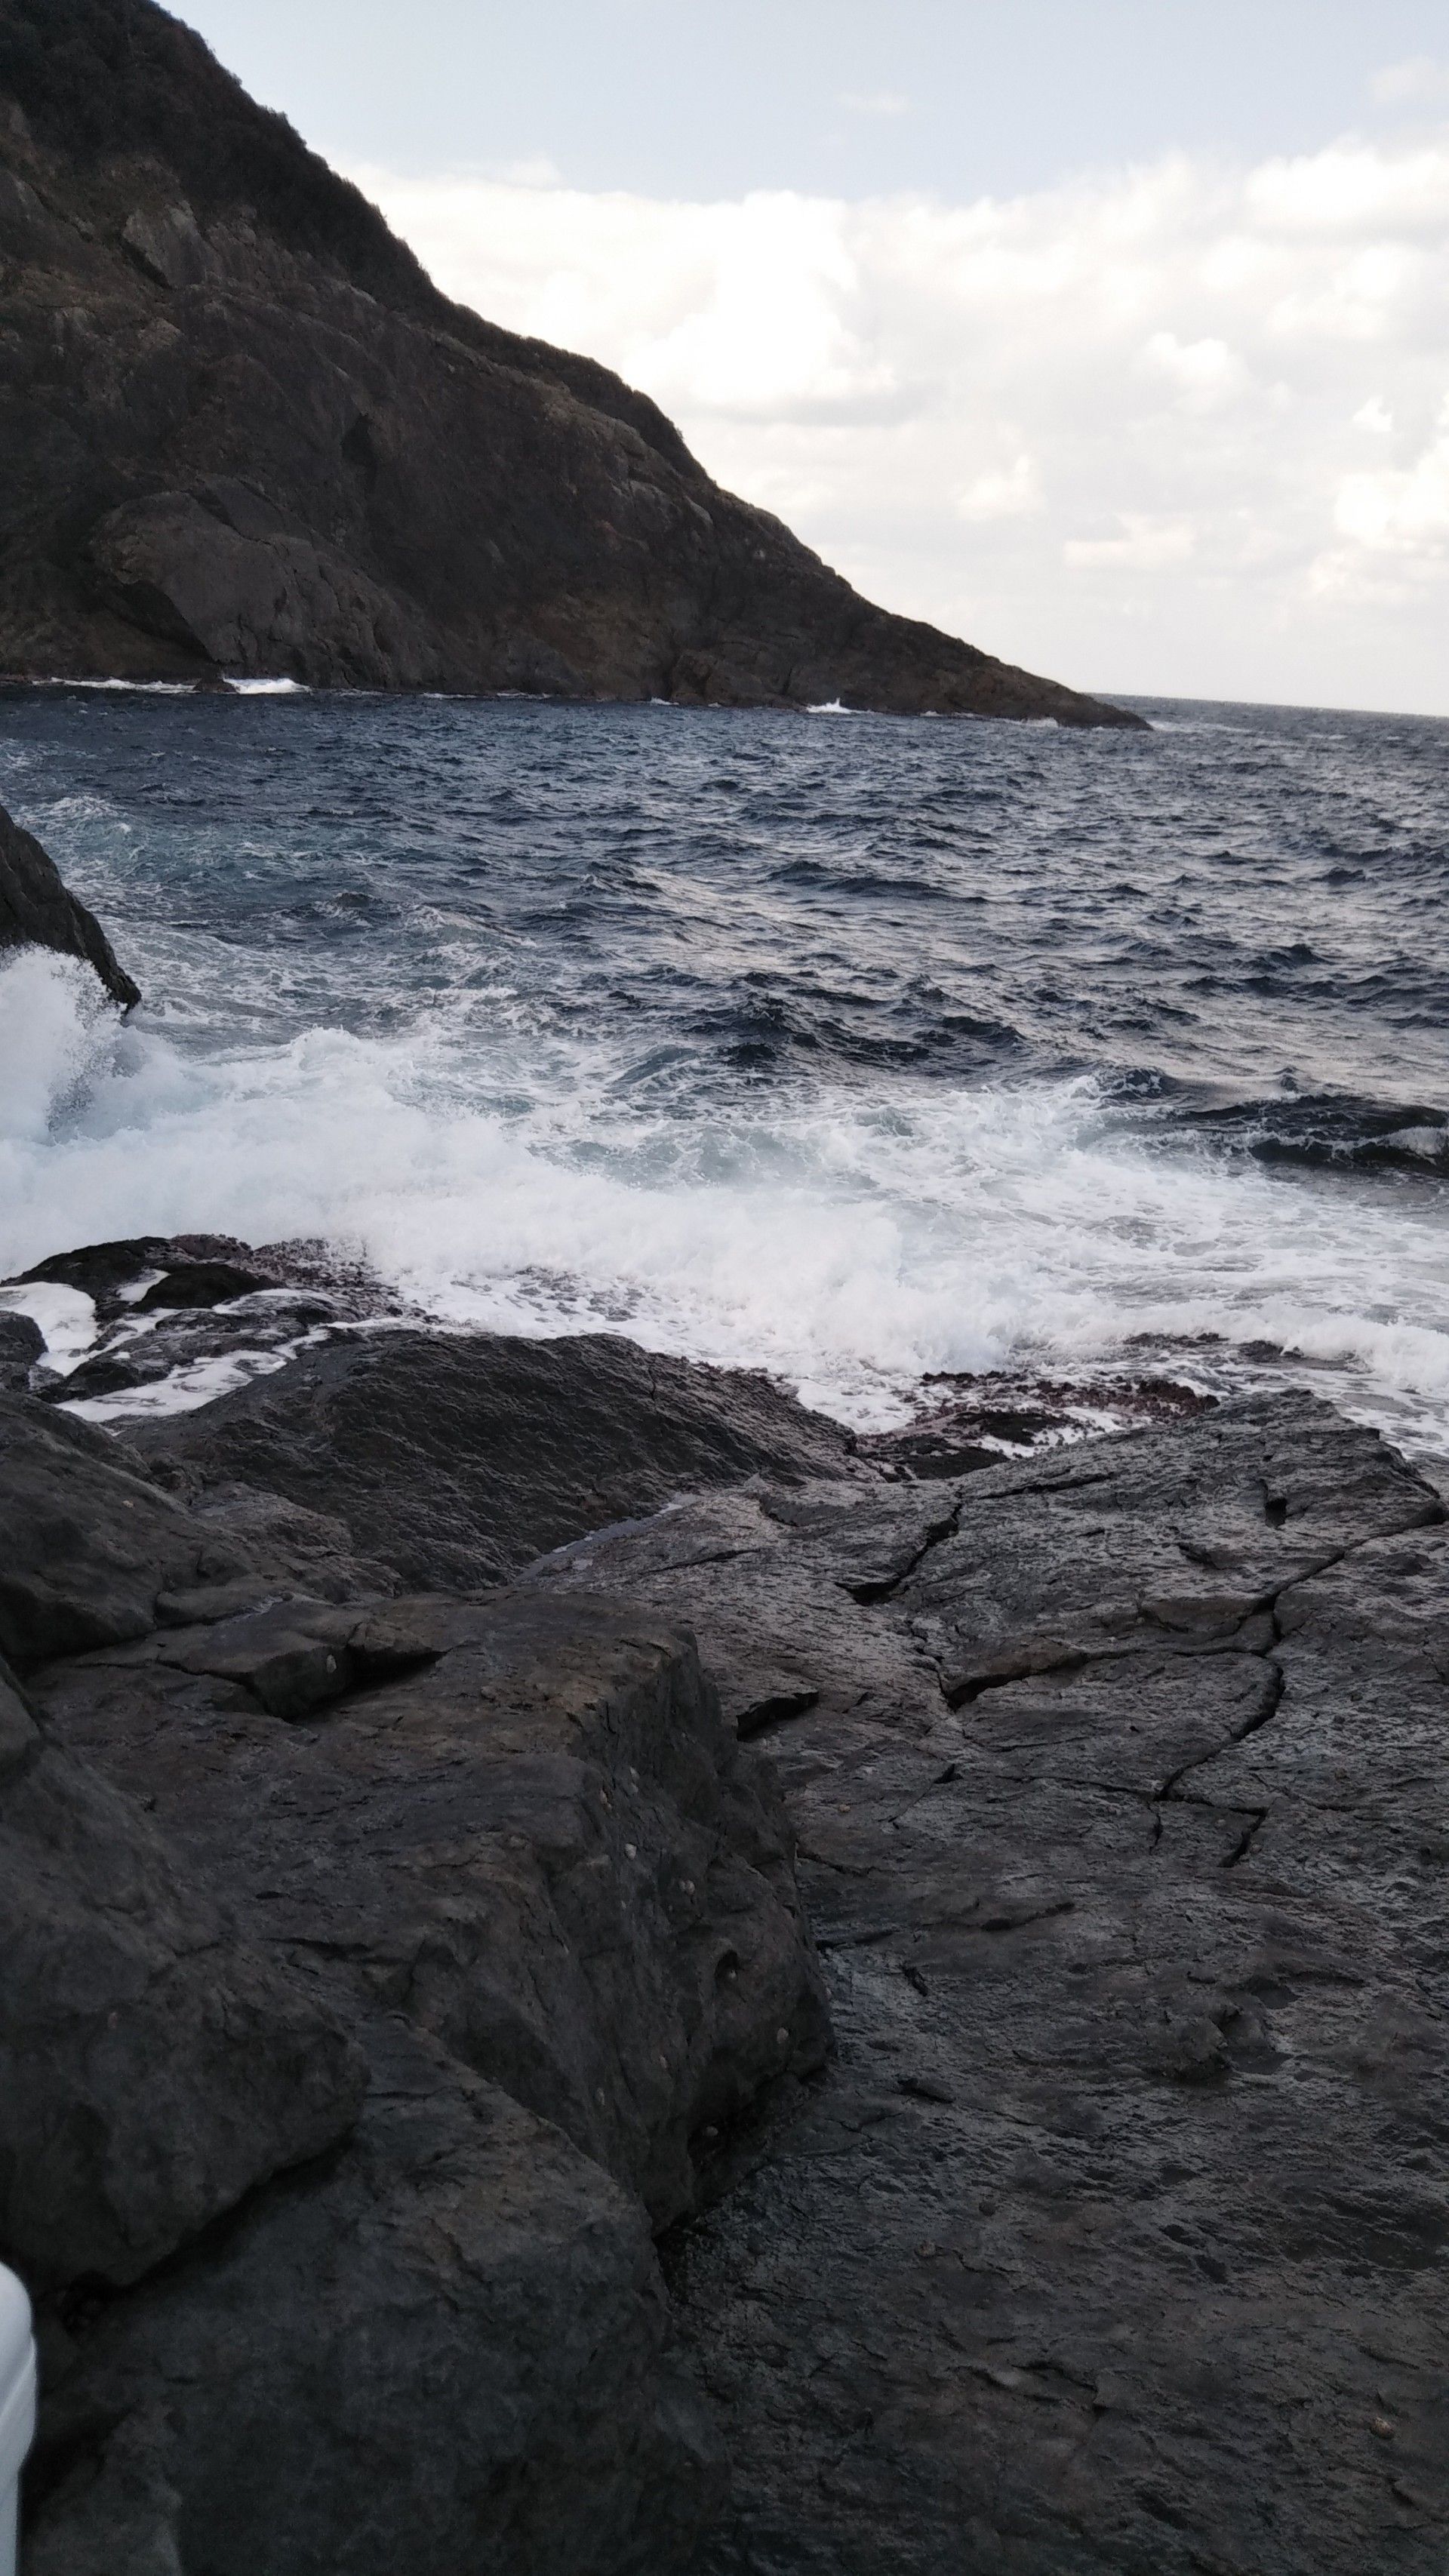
(456,1458)
(522,1819)
(38,910)
(268,1834)
(1110,2241)
(1114,2239)
(970,1421)
(184,1344)
(22,1343)
(154,2067)
(245,433)
(145,1272)
(510,1844)
(179,1318)
(447,2351)
(90,1544)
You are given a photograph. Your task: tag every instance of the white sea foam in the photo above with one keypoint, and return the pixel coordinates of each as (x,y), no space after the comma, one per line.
(268,688)
(141,688)
(183,1389)
(66,1317)
(849,1245)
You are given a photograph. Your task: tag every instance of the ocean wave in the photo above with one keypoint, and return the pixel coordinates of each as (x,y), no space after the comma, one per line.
(854,1054)
(851,1245)
(1331,1132)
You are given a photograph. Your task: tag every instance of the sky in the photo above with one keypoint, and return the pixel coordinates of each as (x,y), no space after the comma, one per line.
(1113,334)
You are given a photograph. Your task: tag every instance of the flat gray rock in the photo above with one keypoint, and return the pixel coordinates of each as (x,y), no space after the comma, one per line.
(1115,2238)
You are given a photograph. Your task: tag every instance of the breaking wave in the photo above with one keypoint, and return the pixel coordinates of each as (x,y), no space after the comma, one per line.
(855,1052)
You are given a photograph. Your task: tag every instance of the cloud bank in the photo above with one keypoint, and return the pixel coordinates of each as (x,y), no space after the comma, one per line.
(1181,427)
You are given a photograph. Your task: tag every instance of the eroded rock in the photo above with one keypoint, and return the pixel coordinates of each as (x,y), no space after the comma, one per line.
(90,1544)
(512,1847)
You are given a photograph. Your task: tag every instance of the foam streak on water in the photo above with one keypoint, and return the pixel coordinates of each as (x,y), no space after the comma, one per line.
(856,1052)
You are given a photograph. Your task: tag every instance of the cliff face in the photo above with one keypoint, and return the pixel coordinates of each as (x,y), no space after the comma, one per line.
(243,432)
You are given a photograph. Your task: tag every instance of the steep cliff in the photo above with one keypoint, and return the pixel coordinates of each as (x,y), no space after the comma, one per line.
(244,433)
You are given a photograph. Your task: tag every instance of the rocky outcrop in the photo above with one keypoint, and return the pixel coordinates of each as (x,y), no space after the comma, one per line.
(153,2066)
(378,1974)
(244,433)
(1107,2238)
(93,1553)
(37,910)
(458,1457)
(1115,2239)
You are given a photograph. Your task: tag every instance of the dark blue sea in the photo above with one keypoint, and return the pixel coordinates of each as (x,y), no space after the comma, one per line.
(855,1048)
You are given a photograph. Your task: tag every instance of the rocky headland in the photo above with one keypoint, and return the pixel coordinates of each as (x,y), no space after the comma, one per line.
(598,1974)
(245,434)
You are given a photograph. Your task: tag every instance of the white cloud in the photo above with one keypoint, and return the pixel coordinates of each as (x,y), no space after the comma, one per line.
(1114,429)
(875,102)
(537,171)
(1419,82)
(1403,512)
(1012,494)
(1144,545)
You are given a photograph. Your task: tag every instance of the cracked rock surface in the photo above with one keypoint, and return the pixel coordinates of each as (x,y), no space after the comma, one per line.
(1115,2237)
(402,1961)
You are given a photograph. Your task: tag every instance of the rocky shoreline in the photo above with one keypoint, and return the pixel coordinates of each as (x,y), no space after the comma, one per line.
(600,1975)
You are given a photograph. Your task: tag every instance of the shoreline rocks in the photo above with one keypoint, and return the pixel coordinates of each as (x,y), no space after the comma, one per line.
(378,1973)
(1115,2239)
(488,1763)
(37,910)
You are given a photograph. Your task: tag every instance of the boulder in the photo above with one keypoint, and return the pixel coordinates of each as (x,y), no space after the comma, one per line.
(447,2350)
(519,1817)
(38,910)
(154,2067)
(512,1847)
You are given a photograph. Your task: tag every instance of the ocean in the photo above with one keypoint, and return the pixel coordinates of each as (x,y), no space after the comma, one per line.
(860,1049)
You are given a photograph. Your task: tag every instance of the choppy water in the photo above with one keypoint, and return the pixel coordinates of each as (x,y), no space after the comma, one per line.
(853,1047)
